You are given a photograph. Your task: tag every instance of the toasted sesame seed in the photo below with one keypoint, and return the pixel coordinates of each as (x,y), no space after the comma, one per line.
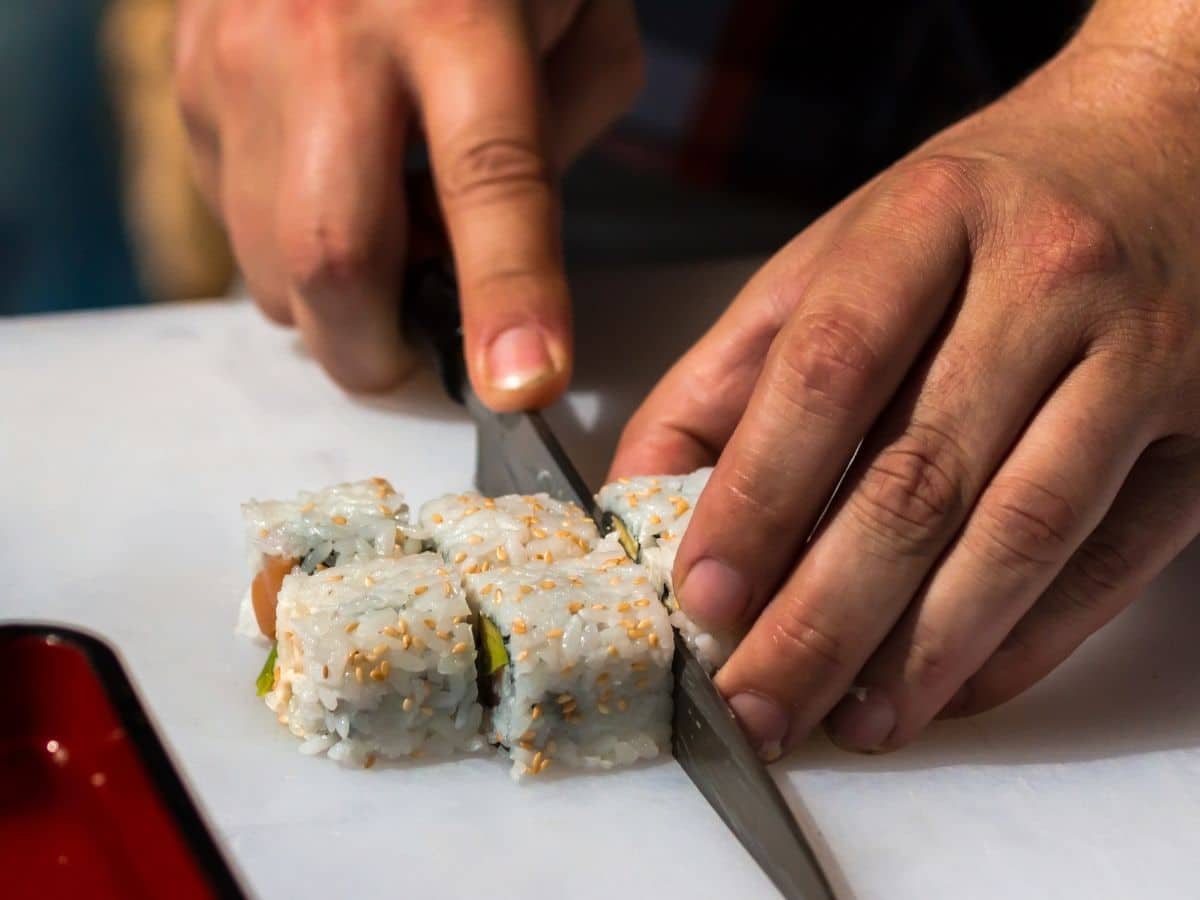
(655,519)
(419,644)
(408,704)
(461,618)
(529,735)
(548,585)
(420,589)
(633,633)
(624,606)
(622,481)
(615,580)
(333,578)
(459,557)
(308,507)
(536,712)
(554,633)
(642,603)
(370,761)
(442,634)
(487,589)
(385,667)
(368,581)
(447,589)
(475,539)
(603,709)
(613,651)
(338,520)
(539,533)
(499,598)
(489,503)
(427,711)
(646,623)
(567,669)
(262,532)
(358,674)
(460,647)
(402,626)
(377,675)
(548,557)
(627,623)
(351,628)
(406,641)
(390,631)
(599,607)
(525,589)
(538,759)
(602,677)
(574,607)
(518,626)
(430,624)
(525,744)
(641,579)
(380,650)
(325,671)
(638,665)
(622,704)
(652,640)
(562,699)
(501,554)
(642,683)
(437,518)
(522,656)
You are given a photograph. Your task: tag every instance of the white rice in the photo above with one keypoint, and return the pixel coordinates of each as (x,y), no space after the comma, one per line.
(377,658)
(655,511)
(338,524)
(588,682)
(478,533)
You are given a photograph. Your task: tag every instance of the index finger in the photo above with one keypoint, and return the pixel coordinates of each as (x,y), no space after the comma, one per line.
(476,79)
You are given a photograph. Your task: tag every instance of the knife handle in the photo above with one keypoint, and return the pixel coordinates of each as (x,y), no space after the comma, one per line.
(432,315)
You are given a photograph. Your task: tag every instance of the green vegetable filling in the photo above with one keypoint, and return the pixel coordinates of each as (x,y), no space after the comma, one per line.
(266,678)
(494,655)
(627,541)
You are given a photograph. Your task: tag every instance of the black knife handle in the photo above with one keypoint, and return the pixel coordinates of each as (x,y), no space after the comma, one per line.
(432,315)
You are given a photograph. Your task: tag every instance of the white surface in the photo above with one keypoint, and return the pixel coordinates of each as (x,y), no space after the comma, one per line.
(128,439)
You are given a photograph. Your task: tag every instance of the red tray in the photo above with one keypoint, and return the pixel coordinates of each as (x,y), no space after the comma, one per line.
(90,805)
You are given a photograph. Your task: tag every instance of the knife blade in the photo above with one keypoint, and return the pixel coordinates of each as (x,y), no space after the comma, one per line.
(518,453)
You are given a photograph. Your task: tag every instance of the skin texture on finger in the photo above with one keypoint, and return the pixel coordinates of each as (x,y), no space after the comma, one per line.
(686,420)
(911,487)
(875,298)
(340,227)
(592,76)
(482,107)
(1050,493)
(1155,516)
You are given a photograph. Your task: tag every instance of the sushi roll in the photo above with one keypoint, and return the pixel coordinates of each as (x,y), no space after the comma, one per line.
(579,658)
(638,510)
(356,520)
(649,515)
(377,658)
(477,533)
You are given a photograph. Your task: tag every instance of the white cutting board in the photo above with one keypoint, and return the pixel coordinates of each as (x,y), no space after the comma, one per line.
(127,441)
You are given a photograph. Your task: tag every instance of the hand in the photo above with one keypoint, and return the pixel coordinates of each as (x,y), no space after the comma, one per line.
(299,114)
(1009,319)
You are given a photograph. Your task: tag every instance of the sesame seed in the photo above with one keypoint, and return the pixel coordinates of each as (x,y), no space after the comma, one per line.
(547,584)
(562,699)
(529,735)
(574,607)
(642,603)
(615,580)
(390,631)
(613,651)
(539,533)
(475,539)
(525,589)
(385,667)
(624,606)
(442,634)
(420,589)
(370,761)
(536,712)
(358,674)
(430,624)
(459,557)
(642,683)
(406,641)
(368,581)
(525,744)
(627,623)
(638,666)
(518,626)
(427,711)
(338,520)
(308,507)
(622,704)
(262,532)
(402,626)
(447,589)
(489,503)
(332,578)
(602,677)
(551,746)
(622,481)
(325,671)
(487,588)
(554,633)
(655,519)
(351,628)
(499,598)
(459,619)
(380,650)
(460,647)
(408,704)
(377,675)
(437,518)
(501,554)
(385,510)
(633,633)
(419,644)
(603,709)
(646,623)
(538,759)
(653,639)
(599,607)
(522,656)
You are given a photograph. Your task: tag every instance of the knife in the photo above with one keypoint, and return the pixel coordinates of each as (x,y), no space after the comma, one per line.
(517,453)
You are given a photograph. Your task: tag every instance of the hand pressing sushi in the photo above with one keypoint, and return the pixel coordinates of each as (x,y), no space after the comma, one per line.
(299,116)
(1009,321)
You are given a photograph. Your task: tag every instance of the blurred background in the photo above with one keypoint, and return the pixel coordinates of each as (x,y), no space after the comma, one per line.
(756,116)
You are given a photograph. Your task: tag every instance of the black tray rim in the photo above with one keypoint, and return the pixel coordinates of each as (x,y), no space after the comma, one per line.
(150,749)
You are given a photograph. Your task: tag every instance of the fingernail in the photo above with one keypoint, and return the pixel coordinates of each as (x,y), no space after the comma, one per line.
(863,721)
(519,358)
(714,594)
(955,704)
(763,721)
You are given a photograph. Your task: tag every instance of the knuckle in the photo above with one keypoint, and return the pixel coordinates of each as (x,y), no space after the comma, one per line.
(235,49)
(914,493)
(1024,526)
(938,181)
(321,255)
(806,643)
(929,663)
(1102,567)
(1057,242)
(827,364)
(1152,336)
(485,170)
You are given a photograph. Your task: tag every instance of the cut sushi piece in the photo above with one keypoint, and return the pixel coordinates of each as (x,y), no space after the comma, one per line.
(587,680)
(356,520)
(478,533)
(377,658)
(639,509)
(650,515)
